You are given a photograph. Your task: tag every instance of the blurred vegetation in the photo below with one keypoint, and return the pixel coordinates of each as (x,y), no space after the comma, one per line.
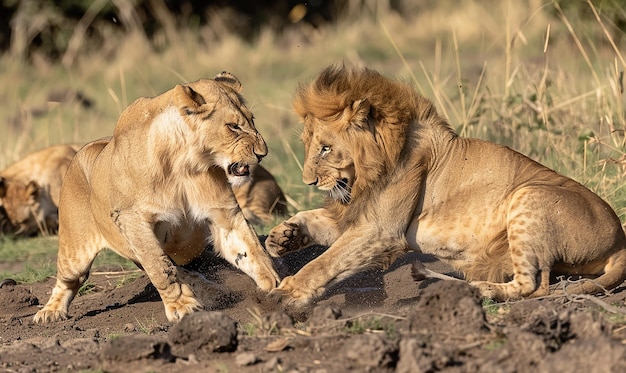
(56,29)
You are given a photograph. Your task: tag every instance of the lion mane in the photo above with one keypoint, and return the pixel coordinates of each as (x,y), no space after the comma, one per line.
(379,144)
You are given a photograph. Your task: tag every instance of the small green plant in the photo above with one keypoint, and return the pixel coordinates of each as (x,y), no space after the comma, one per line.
(87,288)
(249,329)
(113,336)
(221,367)
(260,326)
(128,278)
(371,324)
(148,325)
(495,344)
(493,308)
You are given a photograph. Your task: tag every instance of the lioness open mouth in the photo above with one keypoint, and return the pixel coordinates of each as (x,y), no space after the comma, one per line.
(239,169)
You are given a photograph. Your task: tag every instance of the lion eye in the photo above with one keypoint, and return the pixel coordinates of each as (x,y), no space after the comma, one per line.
(325,149)
(233,126)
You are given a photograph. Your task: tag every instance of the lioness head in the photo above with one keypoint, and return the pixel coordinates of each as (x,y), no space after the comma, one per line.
(195,126)
(24,206)
(234,145)
(352,133)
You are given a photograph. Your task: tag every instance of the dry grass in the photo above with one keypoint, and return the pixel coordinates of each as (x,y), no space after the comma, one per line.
(520,73)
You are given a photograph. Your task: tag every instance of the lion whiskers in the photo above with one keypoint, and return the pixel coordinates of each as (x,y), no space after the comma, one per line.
(341,191)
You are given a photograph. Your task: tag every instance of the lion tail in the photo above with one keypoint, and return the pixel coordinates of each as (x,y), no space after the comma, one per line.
(613,276)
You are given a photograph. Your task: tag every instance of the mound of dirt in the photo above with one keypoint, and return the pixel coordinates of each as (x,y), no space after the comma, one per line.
(376,321)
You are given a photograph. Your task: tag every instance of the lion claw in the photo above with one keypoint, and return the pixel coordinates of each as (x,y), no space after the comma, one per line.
(46,316)
(285,238)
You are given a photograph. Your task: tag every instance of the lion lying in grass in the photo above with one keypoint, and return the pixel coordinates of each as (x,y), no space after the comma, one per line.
(400,179)
(30,189)
(160,188)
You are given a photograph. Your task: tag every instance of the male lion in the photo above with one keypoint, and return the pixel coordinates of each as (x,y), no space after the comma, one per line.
(400,179)
(160,189)
(30,188)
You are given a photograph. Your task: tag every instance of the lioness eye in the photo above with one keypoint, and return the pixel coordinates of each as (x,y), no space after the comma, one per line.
(325,149)
(234,126)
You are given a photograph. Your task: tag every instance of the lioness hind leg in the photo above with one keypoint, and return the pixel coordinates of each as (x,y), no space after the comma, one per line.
(73,265)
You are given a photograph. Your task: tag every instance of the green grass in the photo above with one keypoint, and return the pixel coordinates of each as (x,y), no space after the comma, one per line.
(371,324)
(543,81)
(34,259)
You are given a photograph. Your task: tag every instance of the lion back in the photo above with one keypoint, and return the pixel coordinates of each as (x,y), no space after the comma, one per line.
(261,200)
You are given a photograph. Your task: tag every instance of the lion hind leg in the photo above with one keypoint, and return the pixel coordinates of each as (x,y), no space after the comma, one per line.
(522,248)
(613,276)
(73,266)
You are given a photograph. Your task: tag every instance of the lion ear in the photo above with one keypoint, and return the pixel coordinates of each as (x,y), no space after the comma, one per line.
(359,113)
(187,99)
(3,187)
(32,189)
(229,79)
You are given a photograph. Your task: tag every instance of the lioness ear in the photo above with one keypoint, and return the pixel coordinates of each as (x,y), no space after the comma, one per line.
(3,187)
(229,79)
(359,113)
(187,99)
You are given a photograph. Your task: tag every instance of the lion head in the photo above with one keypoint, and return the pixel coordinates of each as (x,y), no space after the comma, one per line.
(234,146)
(355,128)
(27,207)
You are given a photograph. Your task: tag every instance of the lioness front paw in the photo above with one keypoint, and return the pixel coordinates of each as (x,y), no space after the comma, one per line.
(46,315)
(284,238)
(184,305)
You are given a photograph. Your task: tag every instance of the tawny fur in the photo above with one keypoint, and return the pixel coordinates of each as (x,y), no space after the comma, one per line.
(30,188)
(159,190)
(30,191)
(399,178)
(261,200)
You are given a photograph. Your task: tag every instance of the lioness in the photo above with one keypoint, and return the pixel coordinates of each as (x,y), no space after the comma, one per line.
(400,179)
(30,191)
(30,188)
(160,189)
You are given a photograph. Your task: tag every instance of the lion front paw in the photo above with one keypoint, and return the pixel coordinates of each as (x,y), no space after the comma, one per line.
(293,297)
(286,237)
(46,315)
(184,305)
(497,291)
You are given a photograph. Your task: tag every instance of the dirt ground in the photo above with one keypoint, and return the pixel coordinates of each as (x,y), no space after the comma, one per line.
(379,321)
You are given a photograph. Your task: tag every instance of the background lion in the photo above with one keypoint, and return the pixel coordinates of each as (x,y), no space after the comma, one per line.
(30,189)
(399,178)
(160,188)
(261,200)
